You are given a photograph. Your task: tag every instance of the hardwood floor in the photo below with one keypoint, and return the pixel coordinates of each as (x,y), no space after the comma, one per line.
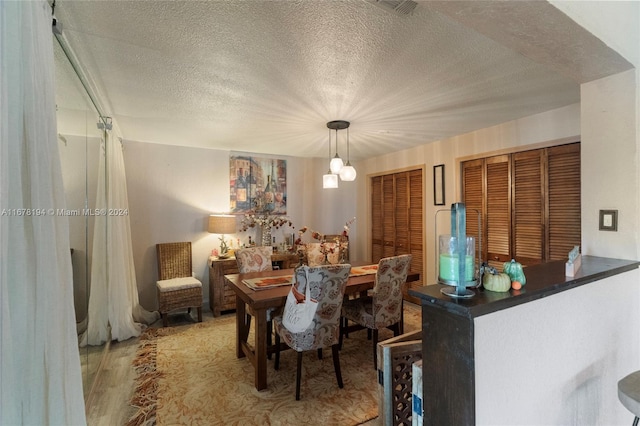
(109,405)
(114,388)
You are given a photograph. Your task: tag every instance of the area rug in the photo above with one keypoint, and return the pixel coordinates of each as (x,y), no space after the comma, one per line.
(189,375)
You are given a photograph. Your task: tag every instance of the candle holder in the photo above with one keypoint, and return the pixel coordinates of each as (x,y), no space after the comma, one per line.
(456,255)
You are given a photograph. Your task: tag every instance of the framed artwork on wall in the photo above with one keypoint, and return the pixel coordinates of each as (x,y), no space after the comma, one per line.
(257,185)
(438,185)
(608,220)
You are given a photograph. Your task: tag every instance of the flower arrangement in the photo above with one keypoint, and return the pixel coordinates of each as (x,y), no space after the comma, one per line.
(327,248)
(251,220)
(321,237)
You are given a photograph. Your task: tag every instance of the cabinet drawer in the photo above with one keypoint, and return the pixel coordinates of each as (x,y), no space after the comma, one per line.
(228,299)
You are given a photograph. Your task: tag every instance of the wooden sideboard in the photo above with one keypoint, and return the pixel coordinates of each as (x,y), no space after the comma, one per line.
(221,297)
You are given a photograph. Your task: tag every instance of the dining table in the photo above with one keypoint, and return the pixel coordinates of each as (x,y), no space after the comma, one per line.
(257,301)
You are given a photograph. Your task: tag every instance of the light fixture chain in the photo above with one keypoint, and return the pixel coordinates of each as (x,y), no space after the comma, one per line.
(347,145)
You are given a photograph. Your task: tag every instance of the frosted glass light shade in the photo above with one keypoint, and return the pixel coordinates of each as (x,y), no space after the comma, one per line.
(348,173)
(329,181)
(336,165)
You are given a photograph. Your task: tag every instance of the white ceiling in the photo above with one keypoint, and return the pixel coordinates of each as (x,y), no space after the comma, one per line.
(266,76)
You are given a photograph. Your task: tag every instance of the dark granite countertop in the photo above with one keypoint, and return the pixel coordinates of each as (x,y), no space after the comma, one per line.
(543,280)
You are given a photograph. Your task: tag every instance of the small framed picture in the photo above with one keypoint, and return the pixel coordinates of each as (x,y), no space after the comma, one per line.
(608,220)
(438,185)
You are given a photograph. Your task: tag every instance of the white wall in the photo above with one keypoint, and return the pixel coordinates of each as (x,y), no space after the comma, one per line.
(560,357)
(172,191)
(609,165)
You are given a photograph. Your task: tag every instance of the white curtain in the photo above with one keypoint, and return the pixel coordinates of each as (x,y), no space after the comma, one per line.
(40,374)
(113,299)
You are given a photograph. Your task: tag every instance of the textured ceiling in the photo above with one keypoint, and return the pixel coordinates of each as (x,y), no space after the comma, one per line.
(265,76)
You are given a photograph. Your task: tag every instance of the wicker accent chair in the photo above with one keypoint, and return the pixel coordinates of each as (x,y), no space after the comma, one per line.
(327,284)
(382,307)
(177,288)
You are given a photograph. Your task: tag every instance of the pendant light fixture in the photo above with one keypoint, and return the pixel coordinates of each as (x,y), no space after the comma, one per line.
(329,180)
(336,162)
(348,172)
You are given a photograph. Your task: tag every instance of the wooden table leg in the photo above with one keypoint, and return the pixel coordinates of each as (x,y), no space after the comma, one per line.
(242,328)
(260,356)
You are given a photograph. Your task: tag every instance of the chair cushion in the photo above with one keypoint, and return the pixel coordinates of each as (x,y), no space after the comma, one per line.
(360,311)
(177,284)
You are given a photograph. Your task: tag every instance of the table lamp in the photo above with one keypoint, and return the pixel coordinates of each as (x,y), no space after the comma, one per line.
(222,224)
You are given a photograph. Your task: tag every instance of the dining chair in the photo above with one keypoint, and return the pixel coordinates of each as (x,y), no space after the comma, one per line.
(382,306)
(176,286)
(254,259)
(343,240)
(314,254)
(326,284)
(257,259)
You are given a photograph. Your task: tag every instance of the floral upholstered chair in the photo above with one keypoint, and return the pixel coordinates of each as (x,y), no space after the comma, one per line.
(327,284)
(254,259)
(382,307)
(315,255)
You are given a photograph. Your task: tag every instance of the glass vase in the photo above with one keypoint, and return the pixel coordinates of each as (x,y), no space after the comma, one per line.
(266,236)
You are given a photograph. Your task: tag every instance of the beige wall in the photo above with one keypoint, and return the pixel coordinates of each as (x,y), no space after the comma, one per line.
(172,190)
(558,126)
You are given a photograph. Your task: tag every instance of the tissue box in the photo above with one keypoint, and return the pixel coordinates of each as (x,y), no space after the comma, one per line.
(416,394)
(572,268)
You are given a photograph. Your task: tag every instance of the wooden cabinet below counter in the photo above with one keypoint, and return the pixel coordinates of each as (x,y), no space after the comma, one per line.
(221,297)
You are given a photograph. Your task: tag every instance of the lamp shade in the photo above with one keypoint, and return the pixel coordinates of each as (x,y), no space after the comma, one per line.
(336,164)
(348,173)
(222,224)
(329,181)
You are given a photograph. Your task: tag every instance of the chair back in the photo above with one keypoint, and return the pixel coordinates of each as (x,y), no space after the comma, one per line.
(344,243)
(327,284)
(387,290)
(315,256)
(174,260)
(254,259)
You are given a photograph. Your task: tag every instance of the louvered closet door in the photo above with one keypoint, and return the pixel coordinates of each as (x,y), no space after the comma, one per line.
(397,219)
(473,197)
(401,213)
(388,217)
(498,229)
(528,207)
(376,217)
(530,202)
(563,164)
(416,236)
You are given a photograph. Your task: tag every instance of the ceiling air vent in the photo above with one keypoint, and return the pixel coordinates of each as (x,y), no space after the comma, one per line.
(401,7)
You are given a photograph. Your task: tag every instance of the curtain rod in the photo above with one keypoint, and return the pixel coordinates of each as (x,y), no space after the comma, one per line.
(57,31)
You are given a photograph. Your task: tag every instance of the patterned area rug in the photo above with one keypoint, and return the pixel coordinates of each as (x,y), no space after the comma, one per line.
(190,376)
